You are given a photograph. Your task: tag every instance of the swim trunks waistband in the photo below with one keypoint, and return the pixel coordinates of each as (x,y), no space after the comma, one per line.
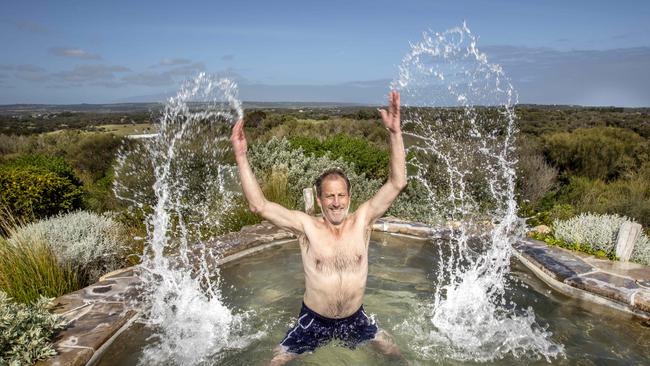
(330,320)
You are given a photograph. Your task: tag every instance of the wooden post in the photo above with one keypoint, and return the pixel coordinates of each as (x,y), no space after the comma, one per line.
(627,235)
(308,196)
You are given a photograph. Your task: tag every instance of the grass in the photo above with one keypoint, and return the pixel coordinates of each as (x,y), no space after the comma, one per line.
(128,129)
(29,269)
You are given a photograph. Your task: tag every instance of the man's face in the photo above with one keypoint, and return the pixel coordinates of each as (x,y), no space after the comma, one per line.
(334,200)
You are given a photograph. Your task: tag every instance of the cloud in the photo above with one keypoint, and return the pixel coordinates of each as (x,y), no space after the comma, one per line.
(585,77)
(173,61)
(22,68)
(26,72)
(164,78)
(228,57)
(31,26)
(149,79)
(89,73)
(74,53)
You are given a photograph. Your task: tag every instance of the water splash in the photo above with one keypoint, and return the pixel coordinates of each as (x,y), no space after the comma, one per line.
(459,113)
(179,179)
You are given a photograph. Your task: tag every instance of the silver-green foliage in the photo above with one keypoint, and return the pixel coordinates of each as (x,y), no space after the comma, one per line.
(302,170)
(600,232)
(641,252)
(25,331)
(90,243)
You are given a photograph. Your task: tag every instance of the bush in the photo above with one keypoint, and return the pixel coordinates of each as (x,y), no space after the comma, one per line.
(26,331)
(641,251)
(29,269)
(598,153)
(93,155)
(628,196)
(52,164)
(599,233)
(86,242)
(38,186)
(302,170)
(535,177)
(367,159)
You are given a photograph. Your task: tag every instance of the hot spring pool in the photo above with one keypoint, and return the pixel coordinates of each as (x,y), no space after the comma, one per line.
(271,284)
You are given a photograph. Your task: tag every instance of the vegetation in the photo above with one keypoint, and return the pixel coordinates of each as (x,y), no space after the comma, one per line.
(26,331)
(589,166)
(29,269)
(87,243)
(595,234)
(571,161)
(37,186)
(367,159)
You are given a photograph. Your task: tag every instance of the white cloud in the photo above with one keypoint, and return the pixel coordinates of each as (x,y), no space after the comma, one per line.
(165,78)
(89,73)
(74,53)
(173,61)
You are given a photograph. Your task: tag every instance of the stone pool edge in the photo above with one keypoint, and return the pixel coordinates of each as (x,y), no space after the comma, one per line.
(579,276)
(97,314)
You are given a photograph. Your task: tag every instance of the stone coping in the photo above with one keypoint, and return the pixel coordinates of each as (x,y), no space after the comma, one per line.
(97,314)
(620,285)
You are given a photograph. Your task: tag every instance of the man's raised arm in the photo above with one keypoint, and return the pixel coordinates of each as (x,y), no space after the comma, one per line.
(381,201)
(257,203)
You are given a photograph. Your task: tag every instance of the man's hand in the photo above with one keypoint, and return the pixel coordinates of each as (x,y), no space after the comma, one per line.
(391,117)
(238,139)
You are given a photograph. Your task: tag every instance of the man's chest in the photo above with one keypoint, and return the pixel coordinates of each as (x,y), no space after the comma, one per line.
(335,255)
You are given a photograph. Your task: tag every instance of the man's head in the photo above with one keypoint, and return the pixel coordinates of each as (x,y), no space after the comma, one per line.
(333,195)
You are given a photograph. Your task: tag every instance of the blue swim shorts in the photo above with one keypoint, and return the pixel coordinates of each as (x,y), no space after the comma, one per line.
(313,330)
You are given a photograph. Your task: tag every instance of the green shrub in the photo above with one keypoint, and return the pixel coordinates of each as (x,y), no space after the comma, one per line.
(30,269)
(90,244)
(37,186)
(598,153)
(367,159)
(93,155)
(628,196)
(52,164)
(26,331)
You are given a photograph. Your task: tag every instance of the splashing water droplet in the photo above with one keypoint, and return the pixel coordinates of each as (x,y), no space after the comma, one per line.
(178,178)
(459,113)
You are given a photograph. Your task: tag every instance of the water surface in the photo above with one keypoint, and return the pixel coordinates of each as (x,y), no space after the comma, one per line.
(399,285)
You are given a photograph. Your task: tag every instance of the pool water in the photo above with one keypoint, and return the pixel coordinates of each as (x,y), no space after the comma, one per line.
(400,285)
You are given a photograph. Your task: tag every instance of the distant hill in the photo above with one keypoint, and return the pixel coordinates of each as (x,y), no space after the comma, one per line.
(11,109)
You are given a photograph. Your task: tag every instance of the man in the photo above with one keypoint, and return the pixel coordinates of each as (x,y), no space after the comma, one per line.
(334,248)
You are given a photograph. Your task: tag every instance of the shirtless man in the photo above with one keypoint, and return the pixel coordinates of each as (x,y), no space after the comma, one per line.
(334,248)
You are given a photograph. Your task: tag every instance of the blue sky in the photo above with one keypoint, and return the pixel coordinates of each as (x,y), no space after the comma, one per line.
(564,52)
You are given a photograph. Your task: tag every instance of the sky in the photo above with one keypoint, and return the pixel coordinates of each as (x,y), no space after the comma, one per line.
(554,52)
